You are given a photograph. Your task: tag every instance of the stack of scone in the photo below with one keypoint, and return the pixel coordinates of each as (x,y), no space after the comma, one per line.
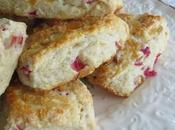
(79,38)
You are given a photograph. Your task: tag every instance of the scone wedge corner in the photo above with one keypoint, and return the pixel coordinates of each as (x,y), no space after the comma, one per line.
(136,61)
(60,9)
(68,107)
(12,40)
(67,50)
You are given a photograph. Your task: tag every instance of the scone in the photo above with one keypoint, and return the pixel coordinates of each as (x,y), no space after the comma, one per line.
(136,61)
(68,50)
(69,107)
(12,39)
(60,9)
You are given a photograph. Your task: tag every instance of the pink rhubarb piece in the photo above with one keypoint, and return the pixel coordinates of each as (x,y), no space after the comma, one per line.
(146,51)
(149,73)
(77,65)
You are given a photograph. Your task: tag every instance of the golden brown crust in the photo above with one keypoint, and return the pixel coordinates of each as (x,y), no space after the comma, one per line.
(99,83)
(145,21)
(146,26)
(126,95)
(39,42)
(60,9)
(33,106)
(142,29)
(64,42)
(106,72)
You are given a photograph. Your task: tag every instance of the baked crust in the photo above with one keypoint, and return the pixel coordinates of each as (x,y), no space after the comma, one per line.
(68,106)
(106,72)
(37,47)
(144,27)
(60,9)
(64,34)
(127,71)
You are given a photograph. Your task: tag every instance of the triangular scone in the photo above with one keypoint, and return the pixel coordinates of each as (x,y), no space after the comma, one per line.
(68,50)
(12,40)
(60,9)
(136,61)
(68,107)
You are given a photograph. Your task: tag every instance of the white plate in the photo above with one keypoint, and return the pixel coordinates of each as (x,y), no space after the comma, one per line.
(152,106)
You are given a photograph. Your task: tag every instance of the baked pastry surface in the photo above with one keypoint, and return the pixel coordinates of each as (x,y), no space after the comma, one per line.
(65,51)
(68,107)
(136,61)
(60,9)
(12,40)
